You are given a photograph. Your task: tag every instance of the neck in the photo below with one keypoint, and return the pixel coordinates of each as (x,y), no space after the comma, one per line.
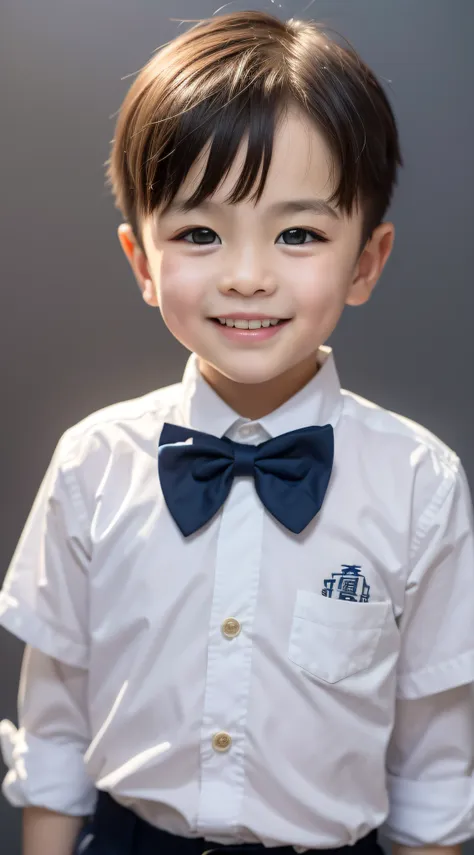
(255,400)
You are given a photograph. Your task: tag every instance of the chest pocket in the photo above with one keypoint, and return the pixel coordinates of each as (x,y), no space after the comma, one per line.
(335,639)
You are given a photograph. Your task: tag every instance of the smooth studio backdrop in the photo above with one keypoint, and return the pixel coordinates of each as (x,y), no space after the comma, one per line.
(75,334)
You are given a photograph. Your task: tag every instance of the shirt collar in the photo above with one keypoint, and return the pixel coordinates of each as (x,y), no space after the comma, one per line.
(317,403)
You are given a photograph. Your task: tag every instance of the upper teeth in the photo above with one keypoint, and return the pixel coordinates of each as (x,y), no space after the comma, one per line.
(248,325)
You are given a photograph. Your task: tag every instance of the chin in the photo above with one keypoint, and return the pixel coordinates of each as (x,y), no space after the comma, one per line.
(254,379)
(251,375)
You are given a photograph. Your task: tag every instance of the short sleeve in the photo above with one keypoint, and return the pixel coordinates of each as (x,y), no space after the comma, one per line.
(429,770)
(44,600)
(437,623)
(45,755)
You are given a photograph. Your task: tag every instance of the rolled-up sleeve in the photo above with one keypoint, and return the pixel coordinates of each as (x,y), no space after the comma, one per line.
(429,770)
(45,755)
(44,602)
(431,755)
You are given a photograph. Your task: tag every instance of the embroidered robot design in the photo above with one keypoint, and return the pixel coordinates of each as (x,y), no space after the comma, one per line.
(349,584)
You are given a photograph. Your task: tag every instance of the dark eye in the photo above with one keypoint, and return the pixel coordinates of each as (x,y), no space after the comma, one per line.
(201,236)
(297,237)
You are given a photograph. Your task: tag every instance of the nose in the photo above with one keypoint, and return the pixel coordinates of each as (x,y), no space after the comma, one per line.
(247,276)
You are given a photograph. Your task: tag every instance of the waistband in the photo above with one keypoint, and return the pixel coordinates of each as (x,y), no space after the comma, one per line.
(116,830)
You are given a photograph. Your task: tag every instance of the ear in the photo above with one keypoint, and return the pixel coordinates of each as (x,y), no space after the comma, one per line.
(138,263)
(370,264)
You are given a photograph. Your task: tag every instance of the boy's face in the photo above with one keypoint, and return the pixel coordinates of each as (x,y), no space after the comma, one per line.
(259,262)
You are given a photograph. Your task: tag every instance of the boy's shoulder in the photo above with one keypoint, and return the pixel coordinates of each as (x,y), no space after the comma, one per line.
(137,419)
(376,425)
(401,455)
(389,446)
(391,427)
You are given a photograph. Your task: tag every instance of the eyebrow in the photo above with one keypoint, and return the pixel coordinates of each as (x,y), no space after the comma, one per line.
(291,206)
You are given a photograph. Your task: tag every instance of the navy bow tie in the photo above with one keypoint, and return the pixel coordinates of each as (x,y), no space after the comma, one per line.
(291,474)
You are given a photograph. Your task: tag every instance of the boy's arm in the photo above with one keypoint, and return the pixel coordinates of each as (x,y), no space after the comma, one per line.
(44,602)
(430,759)
(45,831)
(45,756)
(429,772)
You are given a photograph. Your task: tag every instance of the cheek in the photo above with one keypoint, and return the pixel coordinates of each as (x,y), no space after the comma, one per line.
(180,289)
(321,284)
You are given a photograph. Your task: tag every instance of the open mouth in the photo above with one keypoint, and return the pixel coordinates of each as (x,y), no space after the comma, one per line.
(250,323)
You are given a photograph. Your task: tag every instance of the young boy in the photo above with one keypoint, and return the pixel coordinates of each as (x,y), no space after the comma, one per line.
(247,598)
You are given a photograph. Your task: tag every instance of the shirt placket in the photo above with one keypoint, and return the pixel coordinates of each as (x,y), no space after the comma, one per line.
(238,561)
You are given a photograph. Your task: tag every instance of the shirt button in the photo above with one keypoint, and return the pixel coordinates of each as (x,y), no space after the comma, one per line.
(231,627)
(246,430)
(221,741)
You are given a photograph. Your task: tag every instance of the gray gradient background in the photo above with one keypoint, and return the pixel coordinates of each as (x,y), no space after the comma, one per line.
(75,335)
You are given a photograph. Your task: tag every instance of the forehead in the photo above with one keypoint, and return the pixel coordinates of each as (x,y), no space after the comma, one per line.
(301,164)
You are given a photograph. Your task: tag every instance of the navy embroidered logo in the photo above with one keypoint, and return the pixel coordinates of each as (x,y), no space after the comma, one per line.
(349,584)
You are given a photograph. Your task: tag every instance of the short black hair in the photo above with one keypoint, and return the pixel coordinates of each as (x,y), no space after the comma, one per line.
(234,75)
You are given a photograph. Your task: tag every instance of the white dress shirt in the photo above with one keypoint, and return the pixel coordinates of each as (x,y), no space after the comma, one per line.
(220,684)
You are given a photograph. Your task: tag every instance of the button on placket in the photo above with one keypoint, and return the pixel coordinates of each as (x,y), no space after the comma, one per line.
(221,741)
(231,628)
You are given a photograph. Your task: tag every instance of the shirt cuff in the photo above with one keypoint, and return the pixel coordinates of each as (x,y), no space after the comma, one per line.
(426,813)
(437,678)
(45,774)
(21,621)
